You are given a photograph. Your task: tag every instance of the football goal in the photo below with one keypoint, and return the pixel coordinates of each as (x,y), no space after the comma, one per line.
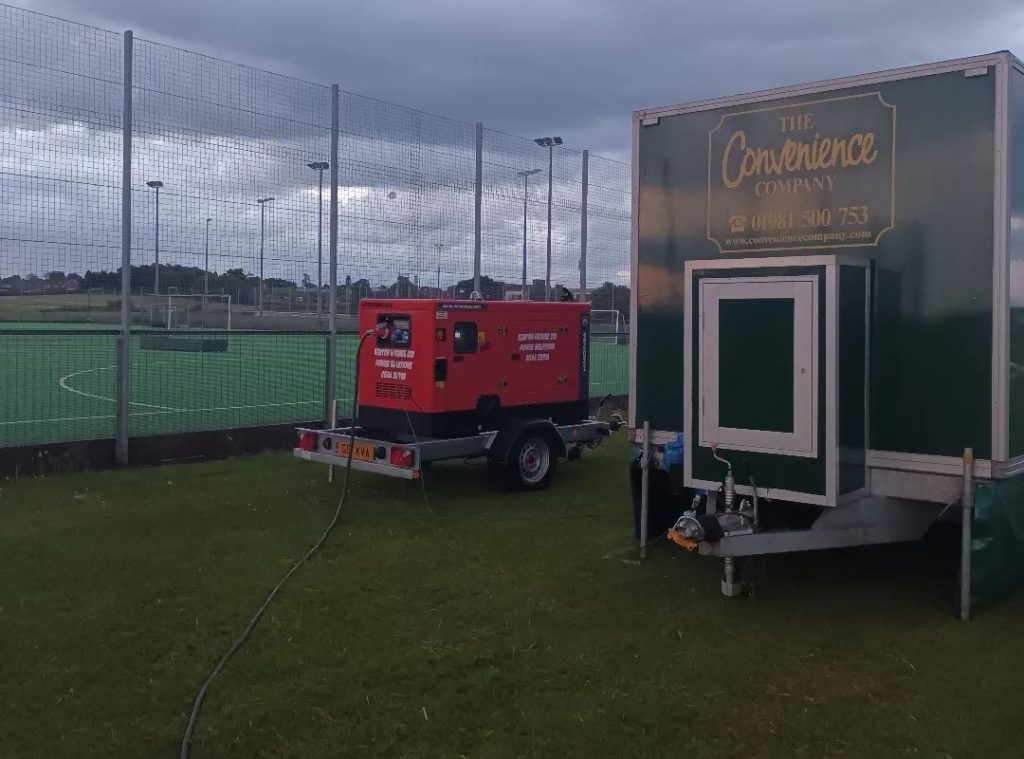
(176,311)
(607,326)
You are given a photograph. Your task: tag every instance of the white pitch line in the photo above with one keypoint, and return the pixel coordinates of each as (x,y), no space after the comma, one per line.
(60,419)
(168,411)
(161,409)
(66,377)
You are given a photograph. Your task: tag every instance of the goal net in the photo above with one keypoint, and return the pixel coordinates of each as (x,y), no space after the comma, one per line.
(175,311)
(607,326)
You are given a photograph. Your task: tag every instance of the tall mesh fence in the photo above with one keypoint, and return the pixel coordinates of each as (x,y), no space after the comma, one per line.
(230,230)
(406,201)
(60,162)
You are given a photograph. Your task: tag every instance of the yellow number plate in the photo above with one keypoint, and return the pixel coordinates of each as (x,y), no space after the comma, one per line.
(362,451)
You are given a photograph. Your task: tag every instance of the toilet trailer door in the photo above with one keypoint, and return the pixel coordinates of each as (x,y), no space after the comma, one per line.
(758,364)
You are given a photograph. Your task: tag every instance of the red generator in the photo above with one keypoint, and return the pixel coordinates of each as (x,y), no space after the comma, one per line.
(449,368)
(443,380)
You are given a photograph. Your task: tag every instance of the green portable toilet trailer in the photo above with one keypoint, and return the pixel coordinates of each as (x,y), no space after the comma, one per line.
(826,284)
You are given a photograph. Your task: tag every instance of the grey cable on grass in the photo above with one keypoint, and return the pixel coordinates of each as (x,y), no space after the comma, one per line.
(186,739)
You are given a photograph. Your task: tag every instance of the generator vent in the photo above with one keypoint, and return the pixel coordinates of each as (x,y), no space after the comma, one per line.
(393,390)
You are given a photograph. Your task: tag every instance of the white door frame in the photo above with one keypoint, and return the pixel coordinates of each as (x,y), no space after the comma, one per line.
(802,291)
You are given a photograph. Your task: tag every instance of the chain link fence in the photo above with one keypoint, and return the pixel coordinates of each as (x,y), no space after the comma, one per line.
(234,173)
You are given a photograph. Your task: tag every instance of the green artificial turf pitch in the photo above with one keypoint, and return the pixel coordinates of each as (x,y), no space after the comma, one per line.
(61,385)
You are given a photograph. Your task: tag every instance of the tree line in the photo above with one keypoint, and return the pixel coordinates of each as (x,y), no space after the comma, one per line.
(242,286)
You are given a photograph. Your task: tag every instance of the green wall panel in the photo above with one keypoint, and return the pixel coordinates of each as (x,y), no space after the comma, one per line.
(931,333)
(852,377)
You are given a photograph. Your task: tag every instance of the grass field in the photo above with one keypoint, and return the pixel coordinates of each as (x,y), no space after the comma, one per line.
(495,626)
(60,387)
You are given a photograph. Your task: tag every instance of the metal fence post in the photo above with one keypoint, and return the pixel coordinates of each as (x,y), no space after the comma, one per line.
(478,204)
(583,225)
(967,515)
(332,300)
(551,180)
(124,341)
(645,480)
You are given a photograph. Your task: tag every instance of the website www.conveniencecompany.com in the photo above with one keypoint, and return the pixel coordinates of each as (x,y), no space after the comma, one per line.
(840,236)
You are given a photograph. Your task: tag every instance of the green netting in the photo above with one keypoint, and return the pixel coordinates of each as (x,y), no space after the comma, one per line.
(997,546)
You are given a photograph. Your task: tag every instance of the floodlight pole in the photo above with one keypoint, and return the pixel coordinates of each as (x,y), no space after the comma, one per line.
(526,191)
(156,247)
(319,242)
(438,246)
(263,207)
(478,204)
(549,143)
(320,167)
(206,262)
(547,275)
(156,185)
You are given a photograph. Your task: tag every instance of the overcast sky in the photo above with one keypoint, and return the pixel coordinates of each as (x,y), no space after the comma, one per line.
(573,67)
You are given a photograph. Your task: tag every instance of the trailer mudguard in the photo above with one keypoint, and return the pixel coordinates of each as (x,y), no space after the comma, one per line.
(516,428)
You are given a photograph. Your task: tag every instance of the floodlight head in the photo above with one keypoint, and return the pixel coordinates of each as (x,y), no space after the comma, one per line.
(155,184)
(558,140)
(209,220)
(264,200)
(319,165)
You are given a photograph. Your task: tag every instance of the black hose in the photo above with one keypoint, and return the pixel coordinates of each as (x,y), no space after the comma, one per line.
(197,704)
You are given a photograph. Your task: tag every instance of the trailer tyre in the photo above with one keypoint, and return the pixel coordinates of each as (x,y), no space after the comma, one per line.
(530,463)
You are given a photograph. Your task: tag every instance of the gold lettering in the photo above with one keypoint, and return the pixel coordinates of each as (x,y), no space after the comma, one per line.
(795,155)
(868,153)
(797,122)
(740,137)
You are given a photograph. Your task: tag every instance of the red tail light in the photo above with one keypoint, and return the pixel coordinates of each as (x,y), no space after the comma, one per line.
(307,441)
(402,457)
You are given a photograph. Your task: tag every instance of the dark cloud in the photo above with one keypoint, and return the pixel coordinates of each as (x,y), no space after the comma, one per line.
(575,68)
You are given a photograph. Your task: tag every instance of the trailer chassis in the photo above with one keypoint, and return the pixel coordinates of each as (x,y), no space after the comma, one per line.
(404,456)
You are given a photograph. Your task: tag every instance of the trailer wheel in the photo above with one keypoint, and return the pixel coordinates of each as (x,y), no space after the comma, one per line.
(530,463)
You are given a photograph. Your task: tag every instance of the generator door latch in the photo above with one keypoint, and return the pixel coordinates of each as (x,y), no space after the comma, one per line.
(440,369)
(502,330)
(501,383)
